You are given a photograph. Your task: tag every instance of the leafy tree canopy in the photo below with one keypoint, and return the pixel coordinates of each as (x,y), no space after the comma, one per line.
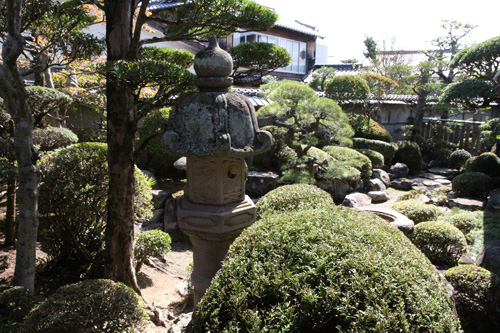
(262,58)
(347,88)
(321,76)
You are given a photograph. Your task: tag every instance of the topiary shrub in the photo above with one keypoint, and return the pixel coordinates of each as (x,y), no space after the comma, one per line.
(416,210)
(51,138)
(375,157)
(465,222)
(89,306)
(73,202)
(408,152)
(458,158)
(488,164)
(329,270)
(268,160)
(90,134)
(440,157)
(295,197)
(366,127)
(473,184)
(441,242)
(386,149)
(476,296)
(15,304)
(351,157)
(153,156)
(468,164)
(151,243)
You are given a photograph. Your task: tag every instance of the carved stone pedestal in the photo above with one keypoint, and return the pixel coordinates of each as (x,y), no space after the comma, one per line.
(212,229)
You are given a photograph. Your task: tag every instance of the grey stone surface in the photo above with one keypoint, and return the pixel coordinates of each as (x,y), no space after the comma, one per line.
(489,257)
(375,185)
(356,200)
(382,175)
(159,198)
(493,205)
(396,219)
(465,203)
(379,196)
(259,183)
(443,171)
(402,184)
(181,163)
(398,170)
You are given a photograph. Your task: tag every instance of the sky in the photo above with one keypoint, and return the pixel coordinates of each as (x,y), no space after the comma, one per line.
(412,25)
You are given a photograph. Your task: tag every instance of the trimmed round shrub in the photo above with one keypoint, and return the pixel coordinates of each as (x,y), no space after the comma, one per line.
(386,149)
(366,127)
(295,197)
(476,296)
(151,243)
(440,157)
(351,157)
(15,304)
(90,134)
(375,157)
(441,242)
(468,164)
(488,164)
(408,152)
(268,160)
(89,306)
(331,270)
(465,222)
(51,138)
(473,184)
(73,202)
(458,158)
(416,210)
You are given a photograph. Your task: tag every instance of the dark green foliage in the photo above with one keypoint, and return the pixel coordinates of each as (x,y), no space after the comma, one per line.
(408,152)
(153,156)
(385,148)
(260,58)
(474,184)
(441,242)
(489,132)
(465,222)
(269,160)
(325,271)
(320,77)
(332,169)
(51,138)
(90,134)
(440,157)
(295,197)
(416,210)
(73,197)
(488,164)
(476,297)
(151,243)
(352,158)
(45,101)
(89,306)
(345,89)
(15,304)
(458,158)
(468,164)
(375,157)
(181,58)
(366,127)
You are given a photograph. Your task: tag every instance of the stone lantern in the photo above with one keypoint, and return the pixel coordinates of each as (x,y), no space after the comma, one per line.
(215,129)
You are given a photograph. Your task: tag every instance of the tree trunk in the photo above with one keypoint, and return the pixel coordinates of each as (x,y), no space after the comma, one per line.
(122,126)
(14,94)
(10,216)
(419,118)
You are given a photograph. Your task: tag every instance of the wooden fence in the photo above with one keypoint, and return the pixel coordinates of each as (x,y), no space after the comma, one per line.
(464,133)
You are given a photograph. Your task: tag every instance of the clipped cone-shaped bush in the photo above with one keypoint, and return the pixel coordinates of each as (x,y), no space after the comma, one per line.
(331,270)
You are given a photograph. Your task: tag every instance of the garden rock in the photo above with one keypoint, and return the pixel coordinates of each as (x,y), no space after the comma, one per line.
(489,257)
(159,198)
(375,185)
(444,172)
(493,205)
(181,164)
(382,175)
(356,200)
(402,184)
(170,223)
(398,170)
(465,203)
(379,196)
(181,324)
(259,183)
(397,220)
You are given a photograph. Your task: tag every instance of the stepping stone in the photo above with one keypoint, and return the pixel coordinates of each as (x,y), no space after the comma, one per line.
(443,171)
(465,203)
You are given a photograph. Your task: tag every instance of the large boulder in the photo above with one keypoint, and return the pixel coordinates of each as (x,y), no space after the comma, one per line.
(259,183)
(398,170)
(382,175)
(489,257)
(356,200)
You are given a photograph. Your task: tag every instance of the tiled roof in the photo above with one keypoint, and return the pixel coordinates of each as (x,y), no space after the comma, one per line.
(163,4)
